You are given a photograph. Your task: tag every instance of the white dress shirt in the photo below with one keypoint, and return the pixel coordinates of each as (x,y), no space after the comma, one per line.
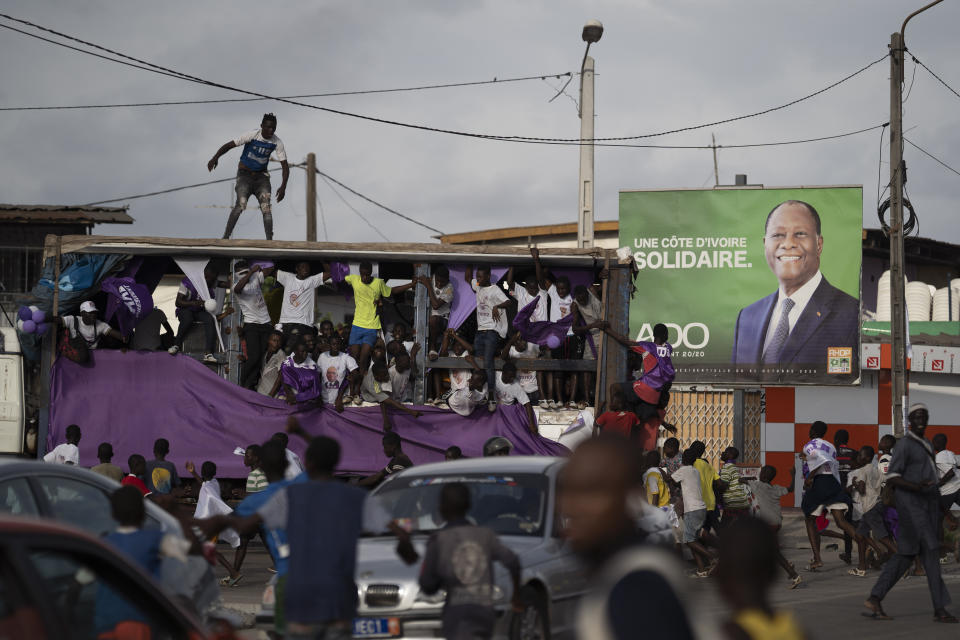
(800,299)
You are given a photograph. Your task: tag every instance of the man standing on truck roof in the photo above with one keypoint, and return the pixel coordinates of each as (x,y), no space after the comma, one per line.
(252,175)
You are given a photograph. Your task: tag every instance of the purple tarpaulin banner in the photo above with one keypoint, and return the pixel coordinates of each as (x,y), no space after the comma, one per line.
(130,301)
(464,297)
(539,332)
(131,399)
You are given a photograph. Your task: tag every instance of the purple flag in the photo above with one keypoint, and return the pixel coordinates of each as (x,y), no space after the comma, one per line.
(464,297)
(130,399)
(129,300)
(305,382)
(339,271)
(539,332)
(662,372)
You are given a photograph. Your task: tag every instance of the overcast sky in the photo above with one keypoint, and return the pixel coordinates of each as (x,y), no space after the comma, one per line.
(661,65)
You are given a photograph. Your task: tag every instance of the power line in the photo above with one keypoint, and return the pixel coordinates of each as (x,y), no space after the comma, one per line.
(374,202)
(408,125)
(931,156)
(306,95)
(352,208)
(939,79)
(165,191)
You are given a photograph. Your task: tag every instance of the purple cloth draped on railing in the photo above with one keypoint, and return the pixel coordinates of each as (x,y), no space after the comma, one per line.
(305,382)
(130,301)
(131,399)
(539,332)
(660,374)
(464,297)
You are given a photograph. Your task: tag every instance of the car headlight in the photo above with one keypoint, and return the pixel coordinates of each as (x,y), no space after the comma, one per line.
(435,598)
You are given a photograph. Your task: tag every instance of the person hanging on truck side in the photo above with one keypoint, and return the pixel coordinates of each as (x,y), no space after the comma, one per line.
(252,175)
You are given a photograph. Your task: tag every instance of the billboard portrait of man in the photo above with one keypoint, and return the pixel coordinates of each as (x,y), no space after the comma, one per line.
(806,316)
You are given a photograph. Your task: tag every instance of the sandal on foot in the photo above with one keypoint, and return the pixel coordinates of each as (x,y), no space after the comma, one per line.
(860,573)
(813,565)
(943,616)
(876,611)
(795,582)
(235,581)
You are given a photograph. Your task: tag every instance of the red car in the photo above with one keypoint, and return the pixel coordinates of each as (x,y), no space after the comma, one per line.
(53,579)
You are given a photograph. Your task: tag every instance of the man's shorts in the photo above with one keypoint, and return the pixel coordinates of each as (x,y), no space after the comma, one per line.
(692,523)
(872,523)
(359,335)
(836,506)
(570,349)
(253,183)
(947,501)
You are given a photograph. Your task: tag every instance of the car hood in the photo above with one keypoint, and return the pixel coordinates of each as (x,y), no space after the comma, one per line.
(377,558)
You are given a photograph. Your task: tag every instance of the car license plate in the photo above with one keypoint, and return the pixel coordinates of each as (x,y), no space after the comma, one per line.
(376,627)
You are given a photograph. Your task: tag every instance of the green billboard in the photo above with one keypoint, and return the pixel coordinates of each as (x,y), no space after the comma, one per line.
(755,285)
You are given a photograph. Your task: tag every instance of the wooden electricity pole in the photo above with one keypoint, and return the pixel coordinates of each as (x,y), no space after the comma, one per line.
(311,197)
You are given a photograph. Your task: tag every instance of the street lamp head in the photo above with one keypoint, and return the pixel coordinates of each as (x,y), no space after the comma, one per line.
(592,31)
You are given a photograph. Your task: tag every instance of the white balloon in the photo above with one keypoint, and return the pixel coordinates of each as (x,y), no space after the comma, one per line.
(210,305)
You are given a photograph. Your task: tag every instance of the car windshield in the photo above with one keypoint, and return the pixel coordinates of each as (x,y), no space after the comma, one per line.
(510,504)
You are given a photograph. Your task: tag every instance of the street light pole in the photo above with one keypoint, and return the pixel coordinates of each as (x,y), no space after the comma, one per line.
(591,33)
(900,390)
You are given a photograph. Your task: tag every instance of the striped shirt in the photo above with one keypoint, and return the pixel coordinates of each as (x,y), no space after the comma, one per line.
(256,481)
(735,497)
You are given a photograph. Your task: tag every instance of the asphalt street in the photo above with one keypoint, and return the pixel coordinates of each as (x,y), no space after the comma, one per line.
(828,603)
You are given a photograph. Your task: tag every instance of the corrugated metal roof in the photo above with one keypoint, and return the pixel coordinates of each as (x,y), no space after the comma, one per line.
(63,214)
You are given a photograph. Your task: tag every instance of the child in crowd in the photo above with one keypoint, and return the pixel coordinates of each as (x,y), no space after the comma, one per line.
(658,493)
(769,511)
(269,382)
(372,390)
(736,501)
(694,510)
(161,474)
(299,377)
(464,400)
(616,420)
(209,504)
(561,306)
(190,308)
(106,468)
(338,370)
(257,326)
(452,453)
(294,466)
(299,292)
(846,458)
(256,479)
(367,292)
(517,347)
(864,482)
(459,378)
(440,290)
(114,615)
(710,483)
(748,556)
(137,466)
(509,391)
(525,293)
(492,305)
(67,452)
(671,455)
(948,473)
(400,370)
(588,325)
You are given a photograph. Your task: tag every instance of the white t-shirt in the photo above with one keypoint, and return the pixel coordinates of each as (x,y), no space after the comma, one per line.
(487,299)
(251,301)
(459,378)
(445,296)
(947,460)
(527,379)
(294,466)
(872,480)
(65,453)
(689,479)
(524,298)
(559,307)
(89,332)
(298,297)
(398,382)
(510,393)
(464,401)
(333,370)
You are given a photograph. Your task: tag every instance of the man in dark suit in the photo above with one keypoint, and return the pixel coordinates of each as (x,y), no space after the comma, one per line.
(796,324)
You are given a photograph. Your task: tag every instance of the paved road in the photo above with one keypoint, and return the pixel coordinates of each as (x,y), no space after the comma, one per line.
(828,603)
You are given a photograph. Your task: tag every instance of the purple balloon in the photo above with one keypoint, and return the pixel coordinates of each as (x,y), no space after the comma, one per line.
(42,328)
(29,326)
(553,341)
(39,316)
(24,313)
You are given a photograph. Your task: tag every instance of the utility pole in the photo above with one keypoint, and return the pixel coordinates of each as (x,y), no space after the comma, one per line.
(716,171)
(311,197)
(585,221)
(592,31)
(898,313)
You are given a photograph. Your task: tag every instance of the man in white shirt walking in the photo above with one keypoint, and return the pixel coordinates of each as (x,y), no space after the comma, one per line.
(256,318)
(252,175)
